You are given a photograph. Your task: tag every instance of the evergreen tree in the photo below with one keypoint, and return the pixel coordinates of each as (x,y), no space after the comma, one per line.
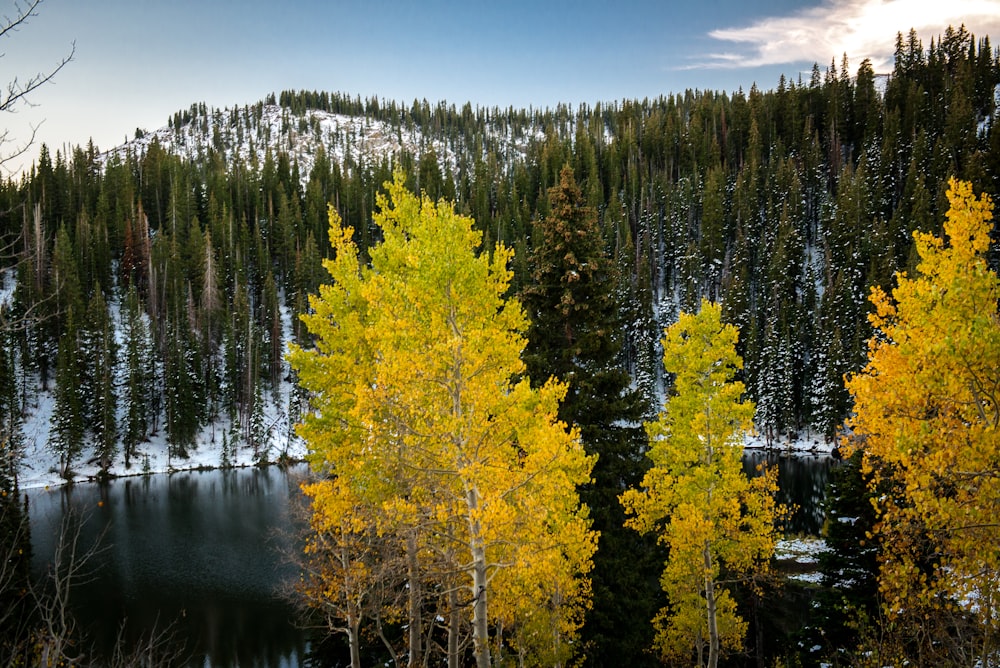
(848,604)
(574,336)
(273,344)
(68,416)
(11,413)
(184,402)
(139,386)
(100,353)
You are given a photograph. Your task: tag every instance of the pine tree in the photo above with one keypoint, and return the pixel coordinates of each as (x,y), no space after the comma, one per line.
(848,604)
(98,382)
(184,401)
(68,411)
(273,344)
(574,336)
(11,413)
(138,351)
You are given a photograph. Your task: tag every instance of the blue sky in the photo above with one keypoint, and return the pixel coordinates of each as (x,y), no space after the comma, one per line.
(139,61)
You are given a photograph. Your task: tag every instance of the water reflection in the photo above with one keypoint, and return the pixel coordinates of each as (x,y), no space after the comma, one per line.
(200,550)
(802,481)
(203,551)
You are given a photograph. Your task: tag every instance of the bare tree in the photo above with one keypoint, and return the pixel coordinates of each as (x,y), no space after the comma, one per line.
(16,602)
(38,626)
(18,90)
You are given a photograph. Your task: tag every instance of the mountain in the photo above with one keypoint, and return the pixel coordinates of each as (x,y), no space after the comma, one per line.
(360,134)
(786,205)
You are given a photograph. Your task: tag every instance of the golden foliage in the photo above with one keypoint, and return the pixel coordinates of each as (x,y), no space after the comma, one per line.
(696,496)
(418,418)
(926,413)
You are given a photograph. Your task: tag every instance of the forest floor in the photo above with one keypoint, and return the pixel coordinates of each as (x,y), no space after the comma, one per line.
(40,465)
(798,558)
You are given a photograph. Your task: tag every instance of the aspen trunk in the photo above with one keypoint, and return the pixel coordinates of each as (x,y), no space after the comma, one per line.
(713,629)
(352,637)
(413,599)
(454,628)
(480,624)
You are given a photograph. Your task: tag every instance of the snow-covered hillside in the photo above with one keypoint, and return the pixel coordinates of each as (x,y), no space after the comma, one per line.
(216,445)
(247,133)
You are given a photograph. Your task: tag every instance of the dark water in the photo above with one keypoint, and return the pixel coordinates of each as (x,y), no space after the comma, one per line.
(802,481)
(205,552)
(201,551)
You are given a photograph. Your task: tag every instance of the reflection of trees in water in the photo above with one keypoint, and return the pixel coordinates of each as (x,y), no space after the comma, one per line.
(802,484)
(199,553)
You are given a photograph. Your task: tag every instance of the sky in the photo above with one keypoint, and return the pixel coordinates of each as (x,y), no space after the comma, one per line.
(136,62)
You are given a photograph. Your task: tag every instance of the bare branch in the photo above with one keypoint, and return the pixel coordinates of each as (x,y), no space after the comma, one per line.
(21,17)
(17,91)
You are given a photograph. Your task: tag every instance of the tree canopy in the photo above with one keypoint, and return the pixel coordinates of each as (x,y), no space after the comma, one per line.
(717,523)
(927,417)
(421,417)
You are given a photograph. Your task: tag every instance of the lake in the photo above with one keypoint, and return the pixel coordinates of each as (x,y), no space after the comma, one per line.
(802,480)
(206,552)
(202,550)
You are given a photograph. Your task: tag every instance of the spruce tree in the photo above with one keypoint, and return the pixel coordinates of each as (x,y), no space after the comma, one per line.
(183,395)
(848,603)
(138,376)
(575,336)
(99,355)
(68,412)
(11,415)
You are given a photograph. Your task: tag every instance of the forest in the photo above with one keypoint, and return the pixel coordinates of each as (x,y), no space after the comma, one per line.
(157,287)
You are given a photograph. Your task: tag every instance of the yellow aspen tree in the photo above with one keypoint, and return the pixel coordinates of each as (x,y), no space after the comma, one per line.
(717,523)
(926,415)
(349,570)
(420,412)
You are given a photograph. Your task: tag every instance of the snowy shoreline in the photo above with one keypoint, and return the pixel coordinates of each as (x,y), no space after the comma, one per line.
(39,466)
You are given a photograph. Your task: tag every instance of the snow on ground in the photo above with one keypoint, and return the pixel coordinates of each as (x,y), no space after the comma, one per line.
(802,550)
(39,466)
(804,553)
(804,443)
(240,134)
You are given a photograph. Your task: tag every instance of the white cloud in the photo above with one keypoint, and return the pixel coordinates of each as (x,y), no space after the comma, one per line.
(860,28)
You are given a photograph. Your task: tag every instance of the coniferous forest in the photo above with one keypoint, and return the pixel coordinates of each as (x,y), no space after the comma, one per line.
(155,288)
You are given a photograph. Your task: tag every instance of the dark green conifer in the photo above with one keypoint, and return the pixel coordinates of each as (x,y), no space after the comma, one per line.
(575,335)
(138,358)
(68,425)
(100,352)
